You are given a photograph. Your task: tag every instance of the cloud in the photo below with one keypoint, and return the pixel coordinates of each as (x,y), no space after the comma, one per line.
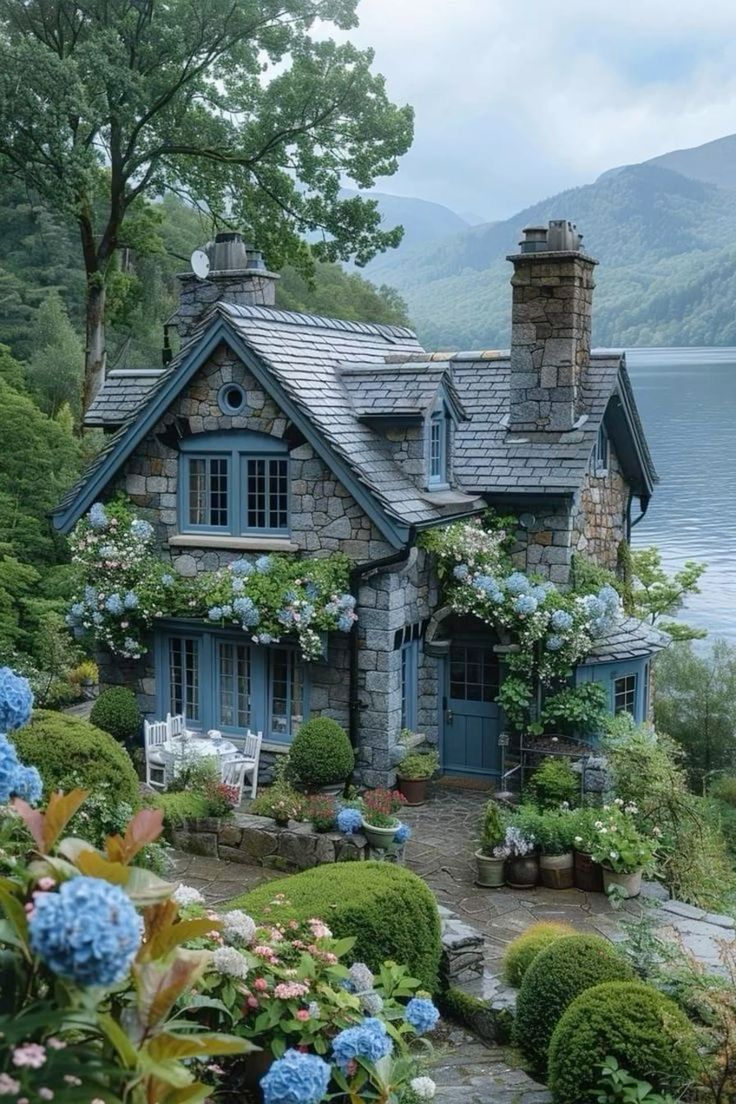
(517,100)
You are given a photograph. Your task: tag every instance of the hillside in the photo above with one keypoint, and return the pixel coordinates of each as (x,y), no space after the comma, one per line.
(423,221)
(666,242)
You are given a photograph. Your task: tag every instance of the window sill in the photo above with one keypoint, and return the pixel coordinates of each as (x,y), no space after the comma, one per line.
(236,544)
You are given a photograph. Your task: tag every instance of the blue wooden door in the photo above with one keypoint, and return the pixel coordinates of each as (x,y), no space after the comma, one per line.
(471,716)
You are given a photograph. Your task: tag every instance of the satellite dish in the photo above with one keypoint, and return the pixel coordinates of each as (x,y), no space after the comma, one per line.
(200,263)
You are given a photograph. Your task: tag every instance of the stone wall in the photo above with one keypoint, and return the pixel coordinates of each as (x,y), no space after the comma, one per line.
(546,547)
(599,519)
(245,288)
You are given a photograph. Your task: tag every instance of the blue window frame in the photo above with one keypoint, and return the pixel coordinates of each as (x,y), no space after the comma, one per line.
(234,483)
(219,680)
(438,447)
(409,684)
(601,450)
(625,692)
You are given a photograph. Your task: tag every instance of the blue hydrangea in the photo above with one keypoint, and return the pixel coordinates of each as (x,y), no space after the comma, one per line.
(554,643)
(141,529)
(486,583)
(76,613)
(215,613)
(368,1040)
(285,617)
(98,517)
(346,602)
(360,978)
(28,785)
(371,1003)
(16,700)
(422,1014)
(263,564)
(114,604)
(167,580)
(517,583)
(561,620)
(349,821)
(90,595)
(526,604)
(243,568)
(610,598)
(227,611)
(108,551)
(246,611)
(594,607)
(540,593)
(312,591)
(345,622)
(97,618)
(297,1078)
(9,767)
(461,572)
(88,932)
(402,833)
(266,638)
(130,601)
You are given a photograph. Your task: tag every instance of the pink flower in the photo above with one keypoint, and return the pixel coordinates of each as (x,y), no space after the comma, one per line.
(302,1014)
(260,984)
(264,952)
(320,930)
(46,1094)
(288,990)
(252,1002)
(30,1056)
(329,958)
(8,1085)
(46,883)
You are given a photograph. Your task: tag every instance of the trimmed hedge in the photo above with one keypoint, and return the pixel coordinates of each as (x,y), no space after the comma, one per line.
(643,1030)
(179,806)
(521,952)
(62,747)
(390,912)
(321,754)
(555,978)
(116,711)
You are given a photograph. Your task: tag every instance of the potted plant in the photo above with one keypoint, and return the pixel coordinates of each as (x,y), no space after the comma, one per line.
(321,756)
(379,816)
(492,836)
(587,873)
(622,850)
(556,861)
(519,849)
(322,812)
(414,772)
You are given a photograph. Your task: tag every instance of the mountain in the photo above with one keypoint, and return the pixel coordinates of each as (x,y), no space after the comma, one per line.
(424,222)
(664,232)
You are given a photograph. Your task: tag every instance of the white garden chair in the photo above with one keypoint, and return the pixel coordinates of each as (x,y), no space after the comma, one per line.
(155,735)
(250,752)
(232,773)
(176,723)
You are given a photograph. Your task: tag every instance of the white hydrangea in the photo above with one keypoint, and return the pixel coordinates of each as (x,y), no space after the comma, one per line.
(423,1087)
(227,960)
(238,927)
(185,895)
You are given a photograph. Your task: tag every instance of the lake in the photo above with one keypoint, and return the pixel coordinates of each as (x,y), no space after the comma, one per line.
(687,401)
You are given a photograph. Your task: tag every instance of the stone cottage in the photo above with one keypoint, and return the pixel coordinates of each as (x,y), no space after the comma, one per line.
(272,431)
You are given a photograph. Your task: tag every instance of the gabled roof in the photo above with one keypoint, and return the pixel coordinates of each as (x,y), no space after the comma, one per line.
(123,393)
(297,359)
(395,390)
(629,639)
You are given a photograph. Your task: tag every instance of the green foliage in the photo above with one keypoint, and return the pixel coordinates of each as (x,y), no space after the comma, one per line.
(419,764)
(178,807)
(116,711)
(522,951)
(555,831)
(66,748)
(617,1086)
(56,366)
(280,801)
(576,710)
(321,754)
(656,596)
(647,770)
(555,978)
(322,812)
(338,294)
(644,1031)
(492,832)
(587,575)
(724,789)
(391,912)
(495,1026)
(553,783)
(695,704)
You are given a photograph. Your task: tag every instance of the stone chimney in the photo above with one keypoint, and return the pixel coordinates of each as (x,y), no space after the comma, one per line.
(237,274)
(550,327)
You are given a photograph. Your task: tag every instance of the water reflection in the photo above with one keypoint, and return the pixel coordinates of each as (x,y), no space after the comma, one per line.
(687,400)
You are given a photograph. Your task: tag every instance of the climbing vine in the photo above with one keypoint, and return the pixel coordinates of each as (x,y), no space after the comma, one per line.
(125,587)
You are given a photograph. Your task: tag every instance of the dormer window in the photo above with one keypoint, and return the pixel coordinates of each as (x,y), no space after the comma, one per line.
(439,433)
(235,484)
(601,450)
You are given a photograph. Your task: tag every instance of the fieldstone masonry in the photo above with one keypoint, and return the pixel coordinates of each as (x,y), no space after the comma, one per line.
(599,523)
(245,288)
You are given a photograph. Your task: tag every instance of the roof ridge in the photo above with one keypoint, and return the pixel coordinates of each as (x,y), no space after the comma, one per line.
(317,321)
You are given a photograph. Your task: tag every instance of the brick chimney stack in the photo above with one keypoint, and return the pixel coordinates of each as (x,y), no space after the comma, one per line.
(550,327)
(237,274)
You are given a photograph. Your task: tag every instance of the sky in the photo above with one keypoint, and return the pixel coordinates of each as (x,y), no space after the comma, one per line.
(516,100)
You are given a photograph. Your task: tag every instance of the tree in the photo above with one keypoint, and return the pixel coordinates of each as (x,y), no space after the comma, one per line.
(695,703)
(656,596)
(55,369)
(107,104)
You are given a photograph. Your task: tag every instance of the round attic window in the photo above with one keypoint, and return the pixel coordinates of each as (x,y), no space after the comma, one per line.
(231,398)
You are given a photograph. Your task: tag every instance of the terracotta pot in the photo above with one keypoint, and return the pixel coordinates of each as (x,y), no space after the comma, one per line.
(490,871)
(556,871)
(629,883)
(522,871)
(413,789)
(379,837)
(588,875)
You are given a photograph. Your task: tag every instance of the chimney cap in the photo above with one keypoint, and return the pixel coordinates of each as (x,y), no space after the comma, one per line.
(558,236)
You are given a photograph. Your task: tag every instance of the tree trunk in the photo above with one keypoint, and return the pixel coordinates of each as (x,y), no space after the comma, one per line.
(96,351)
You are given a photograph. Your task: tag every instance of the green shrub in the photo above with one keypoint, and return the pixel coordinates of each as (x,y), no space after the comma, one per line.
(69,750)
(321,753)
(492,831)
(178,807)
(555,978)
(418,764)
(116,711)
(521,952)
(643,1030)
(390,912)
(553,782)
(724,789)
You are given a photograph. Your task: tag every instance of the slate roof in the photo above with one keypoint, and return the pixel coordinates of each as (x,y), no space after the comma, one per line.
(305,355)
(630,639)
(377,391)
(122,394)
